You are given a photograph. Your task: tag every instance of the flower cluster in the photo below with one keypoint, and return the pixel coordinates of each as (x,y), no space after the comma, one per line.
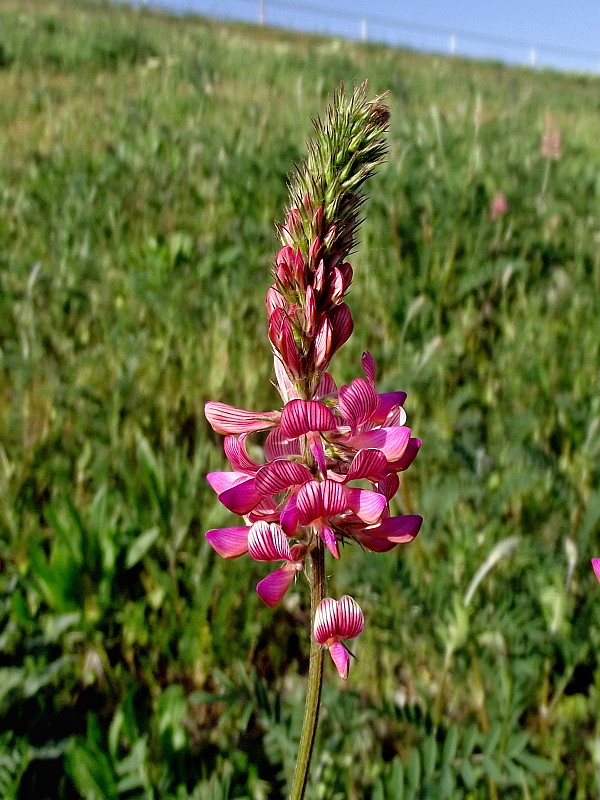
(302,497)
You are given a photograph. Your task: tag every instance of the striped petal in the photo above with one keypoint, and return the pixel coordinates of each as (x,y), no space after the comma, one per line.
(367,505)
(229,542)
(277,475)
(325,620)
(391,441)
(301,416)
(342,326)
(350,619)
(357,402)
(278,446)
(369,463)
(268,543)
(228,419)
(387,402)
(272,589)
(368,365)
(326,386)
(316,500)
(236,453)
(388,486)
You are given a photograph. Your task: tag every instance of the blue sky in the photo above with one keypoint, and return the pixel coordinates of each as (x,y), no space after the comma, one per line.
(565,35)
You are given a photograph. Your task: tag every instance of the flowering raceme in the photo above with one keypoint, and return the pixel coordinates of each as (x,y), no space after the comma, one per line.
(306,495)
(323,439)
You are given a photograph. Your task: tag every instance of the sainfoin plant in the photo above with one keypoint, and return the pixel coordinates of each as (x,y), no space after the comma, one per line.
(305,499)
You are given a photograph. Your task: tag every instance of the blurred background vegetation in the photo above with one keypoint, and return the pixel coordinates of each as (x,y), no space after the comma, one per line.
(143,163)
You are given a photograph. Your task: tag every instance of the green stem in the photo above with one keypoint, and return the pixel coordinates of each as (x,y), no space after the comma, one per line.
(315,678)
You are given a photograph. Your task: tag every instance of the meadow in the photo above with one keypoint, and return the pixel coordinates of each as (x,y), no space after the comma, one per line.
(143,165)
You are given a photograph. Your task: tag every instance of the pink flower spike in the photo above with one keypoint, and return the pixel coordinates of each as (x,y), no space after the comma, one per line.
(268,543)
(272,589)
(301,416)
(596,567)
(229,542)
(228,419)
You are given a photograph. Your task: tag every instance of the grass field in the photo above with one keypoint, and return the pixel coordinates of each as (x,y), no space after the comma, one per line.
(143,164)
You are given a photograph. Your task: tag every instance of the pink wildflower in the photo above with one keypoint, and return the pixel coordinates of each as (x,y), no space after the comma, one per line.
(596,567)
(335,620)
(498,206)
(550,144)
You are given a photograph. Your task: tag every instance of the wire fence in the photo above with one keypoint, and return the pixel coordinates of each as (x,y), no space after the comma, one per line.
(373,27)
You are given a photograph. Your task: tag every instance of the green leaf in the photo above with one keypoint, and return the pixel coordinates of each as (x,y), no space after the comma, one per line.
(140,546)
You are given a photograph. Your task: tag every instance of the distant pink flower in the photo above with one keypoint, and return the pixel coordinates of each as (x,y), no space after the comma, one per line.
(498,206)
(550,144)
(335,620)
(596,567)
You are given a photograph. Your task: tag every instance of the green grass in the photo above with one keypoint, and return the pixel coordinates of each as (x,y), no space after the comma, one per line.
(143,163)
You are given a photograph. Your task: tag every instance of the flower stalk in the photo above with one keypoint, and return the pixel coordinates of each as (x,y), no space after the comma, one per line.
(301,502)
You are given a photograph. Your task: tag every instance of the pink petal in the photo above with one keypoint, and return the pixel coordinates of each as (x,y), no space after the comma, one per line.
(235,450)
(228,419)
(301,416)
(277,475)
(404,462)
(229,542)
(368,365)
(357,402)
(388,486)
(368,463)
(290,516)
(395,418)
(372,542)
(284,385)
(322,346)
(326,386)
(315,444)
(387,402)
(399,529)
(221,481)
(268,543)
(341,659)
(596,567)
(329,539)
(272,588)
(391,441)
(367,505)
(241,498)
(277,446)
(316,500)
(350,619)
(342,326)
(325,625)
